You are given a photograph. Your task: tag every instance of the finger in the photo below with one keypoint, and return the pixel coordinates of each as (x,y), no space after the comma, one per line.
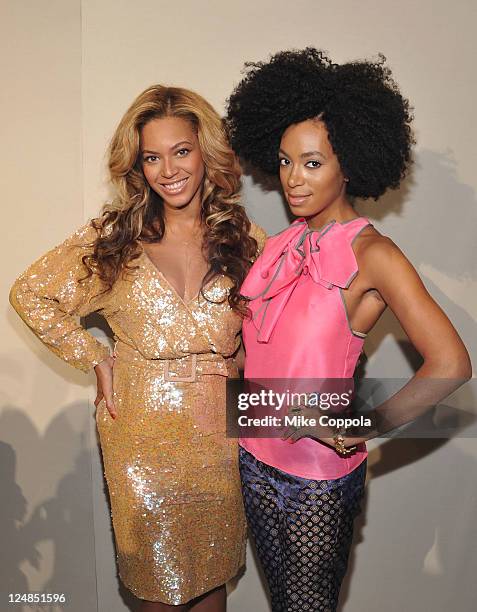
(108,390)
(289,431)
(286,433)
(109,400)
(294,437)
(99,397)
(111,408)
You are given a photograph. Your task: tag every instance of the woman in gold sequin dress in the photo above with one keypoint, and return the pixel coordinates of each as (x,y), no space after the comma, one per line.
(163,264)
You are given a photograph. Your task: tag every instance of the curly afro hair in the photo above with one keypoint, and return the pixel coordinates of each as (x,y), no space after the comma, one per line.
(367,118)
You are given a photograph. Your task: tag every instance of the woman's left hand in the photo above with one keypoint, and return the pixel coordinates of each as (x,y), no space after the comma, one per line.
(309,426)
(312,429)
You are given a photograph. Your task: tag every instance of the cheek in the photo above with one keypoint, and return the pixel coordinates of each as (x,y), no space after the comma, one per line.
(195,165)
(283,176)
(148,172)
(327,180)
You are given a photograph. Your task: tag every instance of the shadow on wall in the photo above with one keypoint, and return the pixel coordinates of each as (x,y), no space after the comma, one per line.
(421,547)
(18,545)
(433,222)
(48,542)
(435,214)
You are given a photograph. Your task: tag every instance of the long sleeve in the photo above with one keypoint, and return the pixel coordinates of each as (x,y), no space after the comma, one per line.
(49,299)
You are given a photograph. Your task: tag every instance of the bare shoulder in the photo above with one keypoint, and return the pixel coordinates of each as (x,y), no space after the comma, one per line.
(371,246)
(380,259)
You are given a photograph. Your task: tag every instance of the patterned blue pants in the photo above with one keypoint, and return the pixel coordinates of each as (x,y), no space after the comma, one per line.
(302,531)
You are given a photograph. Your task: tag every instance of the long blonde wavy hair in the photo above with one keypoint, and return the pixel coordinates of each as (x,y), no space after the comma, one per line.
(137,212)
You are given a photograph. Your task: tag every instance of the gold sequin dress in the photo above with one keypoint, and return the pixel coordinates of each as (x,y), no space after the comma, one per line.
(172,473)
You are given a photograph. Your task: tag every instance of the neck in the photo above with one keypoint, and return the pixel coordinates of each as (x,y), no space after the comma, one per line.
(187,216)
(340,211)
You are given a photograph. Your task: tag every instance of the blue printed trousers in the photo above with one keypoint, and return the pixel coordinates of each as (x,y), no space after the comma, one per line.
(302,530)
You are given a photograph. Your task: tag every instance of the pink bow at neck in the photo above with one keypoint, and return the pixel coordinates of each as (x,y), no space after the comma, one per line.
(325,255)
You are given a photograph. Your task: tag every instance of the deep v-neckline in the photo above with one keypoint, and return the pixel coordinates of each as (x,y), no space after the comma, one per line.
(155,269)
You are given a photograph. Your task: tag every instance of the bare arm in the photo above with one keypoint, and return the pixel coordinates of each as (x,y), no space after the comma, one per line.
(446,363)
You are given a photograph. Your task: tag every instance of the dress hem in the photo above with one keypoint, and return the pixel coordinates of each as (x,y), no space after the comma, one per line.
(182,599)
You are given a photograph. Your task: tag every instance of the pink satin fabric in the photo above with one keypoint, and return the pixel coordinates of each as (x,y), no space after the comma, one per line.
(300,330)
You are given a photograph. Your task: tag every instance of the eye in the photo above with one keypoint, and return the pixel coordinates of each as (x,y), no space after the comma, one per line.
(183,152)
(313,164)
(150,159)
(283,161)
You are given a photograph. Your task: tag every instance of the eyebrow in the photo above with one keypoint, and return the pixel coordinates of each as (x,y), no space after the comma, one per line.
(307,154)
(178,144)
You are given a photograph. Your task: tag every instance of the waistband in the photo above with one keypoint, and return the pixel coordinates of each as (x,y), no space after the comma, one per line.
(179,369)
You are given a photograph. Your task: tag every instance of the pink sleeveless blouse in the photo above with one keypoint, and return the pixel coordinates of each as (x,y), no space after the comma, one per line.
(300,330)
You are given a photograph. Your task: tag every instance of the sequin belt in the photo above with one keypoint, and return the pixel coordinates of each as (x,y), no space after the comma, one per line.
(179,369)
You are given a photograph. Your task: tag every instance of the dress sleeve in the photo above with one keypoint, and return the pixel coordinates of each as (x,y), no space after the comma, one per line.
(260,236)
(49,299)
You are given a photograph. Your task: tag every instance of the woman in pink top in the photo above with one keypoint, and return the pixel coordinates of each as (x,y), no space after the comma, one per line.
(333,132)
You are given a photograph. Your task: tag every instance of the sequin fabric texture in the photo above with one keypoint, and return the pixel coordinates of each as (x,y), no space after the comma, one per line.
(303,530)
(172,474)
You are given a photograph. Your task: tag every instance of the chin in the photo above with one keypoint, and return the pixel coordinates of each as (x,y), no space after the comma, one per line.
(176,202)
(300,211)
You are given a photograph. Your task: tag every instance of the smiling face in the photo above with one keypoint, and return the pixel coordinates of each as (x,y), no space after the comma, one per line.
(310,173)
(172,161)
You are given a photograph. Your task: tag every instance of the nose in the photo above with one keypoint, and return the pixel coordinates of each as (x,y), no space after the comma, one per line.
(168,168)
(295,177)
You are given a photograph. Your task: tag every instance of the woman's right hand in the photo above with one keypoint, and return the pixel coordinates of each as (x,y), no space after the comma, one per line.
(104,381)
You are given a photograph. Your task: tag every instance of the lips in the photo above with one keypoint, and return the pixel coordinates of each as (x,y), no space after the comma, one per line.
(297,199)
(175,187)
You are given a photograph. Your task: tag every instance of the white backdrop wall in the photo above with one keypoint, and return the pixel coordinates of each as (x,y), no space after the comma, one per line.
(70,71)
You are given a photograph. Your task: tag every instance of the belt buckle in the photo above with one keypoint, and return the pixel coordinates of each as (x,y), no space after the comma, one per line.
(190,378)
